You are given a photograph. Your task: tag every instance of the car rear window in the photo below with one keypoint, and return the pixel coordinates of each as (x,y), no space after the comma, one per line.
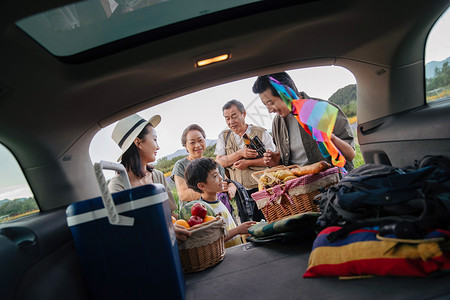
(437,60)
(16,198)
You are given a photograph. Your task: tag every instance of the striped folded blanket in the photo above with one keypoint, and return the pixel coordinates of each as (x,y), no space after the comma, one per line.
(364,252)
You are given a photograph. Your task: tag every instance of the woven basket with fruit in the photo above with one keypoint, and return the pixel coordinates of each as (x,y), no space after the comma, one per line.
(290,190)
(205,248)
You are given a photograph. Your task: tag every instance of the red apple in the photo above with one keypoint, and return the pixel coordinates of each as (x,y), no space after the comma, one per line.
(199,210)
(195,220)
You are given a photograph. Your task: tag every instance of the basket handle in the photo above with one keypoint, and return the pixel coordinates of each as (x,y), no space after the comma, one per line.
(111,210)
(254,176)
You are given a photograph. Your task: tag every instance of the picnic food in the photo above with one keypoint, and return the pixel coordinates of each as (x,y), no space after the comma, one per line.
(289,178)
(195,220)
(185,211)
(311,169)
(208,218)
(182,222)
(268,180)
(283,174)
(198,209)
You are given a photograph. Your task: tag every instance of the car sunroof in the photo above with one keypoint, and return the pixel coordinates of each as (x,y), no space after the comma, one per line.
(85,25)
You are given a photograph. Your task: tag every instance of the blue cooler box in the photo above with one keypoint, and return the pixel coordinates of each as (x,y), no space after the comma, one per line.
(138,261)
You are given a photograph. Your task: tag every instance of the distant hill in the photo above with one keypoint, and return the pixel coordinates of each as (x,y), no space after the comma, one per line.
(432,65)
(21,199)
(344,96)
(183,151)
(4,201)
(17,206)
(179,152)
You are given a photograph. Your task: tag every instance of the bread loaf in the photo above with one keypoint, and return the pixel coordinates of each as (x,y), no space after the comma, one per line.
(289,178)
(311,169)
(282,174)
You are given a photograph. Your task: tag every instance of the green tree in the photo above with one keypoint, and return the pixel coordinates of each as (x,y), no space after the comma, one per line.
(165,165)
(441,78)
(17,207)
(349,109)
(209,151)
(346,99)
(344,95)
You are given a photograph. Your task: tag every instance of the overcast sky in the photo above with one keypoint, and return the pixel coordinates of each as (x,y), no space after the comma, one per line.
(204,108)
(438,43)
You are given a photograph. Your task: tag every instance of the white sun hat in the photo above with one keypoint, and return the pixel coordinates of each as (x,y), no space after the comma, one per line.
(129,128)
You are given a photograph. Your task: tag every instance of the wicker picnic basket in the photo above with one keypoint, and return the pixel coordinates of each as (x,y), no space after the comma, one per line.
(205,248)
(295,196)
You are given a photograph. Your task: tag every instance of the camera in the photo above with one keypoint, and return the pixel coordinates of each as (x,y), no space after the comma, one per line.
(255,144)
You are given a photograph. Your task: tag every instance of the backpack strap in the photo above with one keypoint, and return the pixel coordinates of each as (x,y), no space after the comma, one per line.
(227,171)
(226,138)
(244,201)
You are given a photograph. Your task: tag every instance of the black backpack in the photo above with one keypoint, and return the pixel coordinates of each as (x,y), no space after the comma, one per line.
(245,204)
(405,202)
(247,209)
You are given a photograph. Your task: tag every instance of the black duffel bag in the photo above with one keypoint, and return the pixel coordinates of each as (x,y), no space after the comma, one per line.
(406,202)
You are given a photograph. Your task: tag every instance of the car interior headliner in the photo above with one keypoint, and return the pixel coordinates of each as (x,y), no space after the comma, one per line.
(50,107)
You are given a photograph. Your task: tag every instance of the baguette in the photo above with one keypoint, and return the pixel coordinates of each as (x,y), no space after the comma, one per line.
(311,169)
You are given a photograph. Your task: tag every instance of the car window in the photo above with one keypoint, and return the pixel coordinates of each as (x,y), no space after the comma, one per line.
(16,198)
(437,60)
(204,108)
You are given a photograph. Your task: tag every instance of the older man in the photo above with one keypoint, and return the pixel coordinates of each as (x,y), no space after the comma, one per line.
(232,152)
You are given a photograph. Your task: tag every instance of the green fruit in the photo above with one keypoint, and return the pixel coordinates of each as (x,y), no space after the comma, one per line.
(185,211)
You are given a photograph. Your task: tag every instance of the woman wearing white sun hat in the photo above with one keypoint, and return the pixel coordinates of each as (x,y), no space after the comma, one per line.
(137,139)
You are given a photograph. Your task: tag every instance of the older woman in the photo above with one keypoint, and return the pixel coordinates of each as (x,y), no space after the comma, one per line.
(193,139)
(137,139)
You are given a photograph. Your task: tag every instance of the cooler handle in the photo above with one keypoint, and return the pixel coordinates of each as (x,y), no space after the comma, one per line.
(113,216)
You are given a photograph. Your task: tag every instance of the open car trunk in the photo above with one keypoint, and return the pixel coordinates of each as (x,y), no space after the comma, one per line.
(44,262)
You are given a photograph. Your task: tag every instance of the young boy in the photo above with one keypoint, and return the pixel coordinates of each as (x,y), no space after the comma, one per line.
(202,175)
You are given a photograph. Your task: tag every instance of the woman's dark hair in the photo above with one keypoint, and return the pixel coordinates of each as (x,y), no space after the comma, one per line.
(191,127)
(131,159)
(197,171)
(262,83)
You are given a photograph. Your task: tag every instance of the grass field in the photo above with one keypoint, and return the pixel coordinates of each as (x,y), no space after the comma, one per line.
(443,92)
(359,160)
(19,216)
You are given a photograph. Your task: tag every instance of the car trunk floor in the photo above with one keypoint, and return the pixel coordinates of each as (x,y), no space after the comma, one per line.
(274,271)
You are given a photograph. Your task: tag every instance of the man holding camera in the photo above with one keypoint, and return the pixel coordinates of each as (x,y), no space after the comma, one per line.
(239,149)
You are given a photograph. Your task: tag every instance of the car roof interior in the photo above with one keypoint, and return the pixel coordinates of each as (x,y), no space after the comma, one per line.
(51,107)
